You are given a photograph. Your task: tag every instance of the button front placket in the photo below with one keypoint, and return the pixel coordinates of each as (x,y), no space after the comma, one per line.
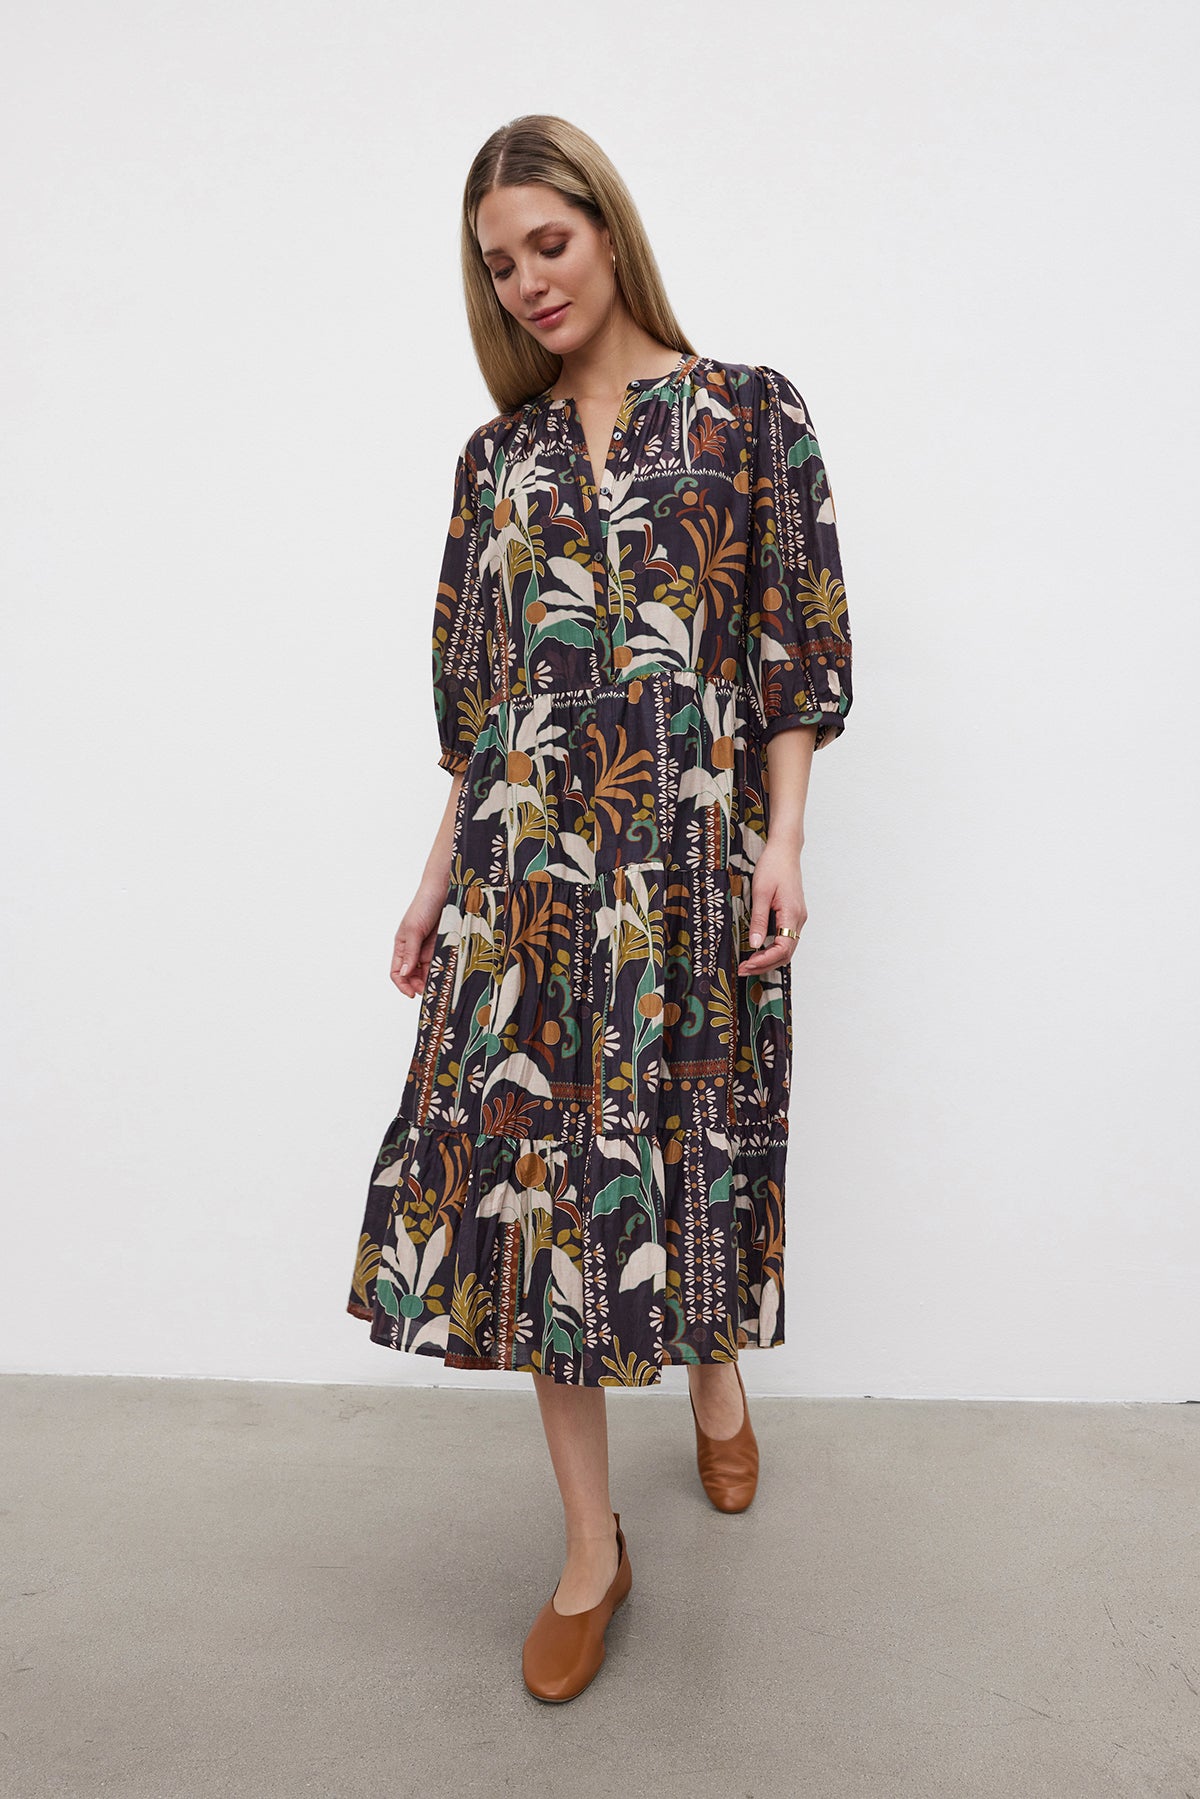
(594,504)
(596,500)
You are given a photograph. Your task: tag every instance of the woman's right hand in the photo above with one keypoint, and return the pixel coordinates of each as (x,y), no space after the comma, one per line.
(416,939)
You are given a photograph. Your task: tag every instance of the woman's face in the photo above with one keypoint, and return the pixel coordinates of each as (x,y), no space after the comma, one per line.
(546,258)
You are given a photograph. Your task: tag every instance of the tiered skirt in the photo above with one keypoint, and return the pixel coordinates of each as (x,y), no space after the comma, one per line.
(586,1173)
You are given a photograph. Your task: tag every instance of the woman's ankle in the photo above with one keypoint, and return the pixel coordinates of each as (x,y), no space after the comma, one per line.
(590,1535)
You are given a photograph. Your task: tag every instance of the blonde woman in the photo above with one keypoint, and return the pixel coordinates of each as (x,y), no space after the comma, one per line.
(640,638)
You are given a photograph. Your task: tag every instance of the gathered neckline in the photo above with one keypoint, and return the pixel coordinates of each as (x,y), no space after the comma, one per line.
(649,382)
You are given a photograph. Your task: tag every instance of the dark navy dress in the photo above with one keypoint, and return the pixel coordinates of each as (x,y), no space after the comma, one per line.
(586,1173)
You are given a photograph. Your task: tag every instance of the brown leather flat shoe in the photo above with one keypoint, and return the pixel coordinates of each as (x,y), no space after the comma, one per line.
(563,1652)
(728,1465)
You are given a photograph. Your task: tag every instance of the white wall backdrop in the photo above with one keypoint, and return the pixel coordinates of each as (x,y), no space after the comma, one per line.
(236,374)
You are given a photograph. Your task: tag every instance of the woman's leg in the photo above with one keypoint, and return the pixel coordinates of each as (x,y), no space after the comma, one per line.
(575,1421)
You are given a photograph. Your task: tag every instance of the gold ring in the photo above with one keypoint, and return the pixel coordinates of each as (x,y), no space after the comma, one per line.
(784,930)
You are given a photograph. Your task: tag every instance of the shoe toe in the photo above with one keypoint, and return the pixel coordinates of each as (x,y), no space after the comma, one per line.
(561,1654)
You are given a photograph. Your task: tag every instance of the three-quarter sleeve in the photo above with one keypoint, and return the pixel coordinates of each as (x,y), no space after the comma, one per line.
(460,646)
(797,625)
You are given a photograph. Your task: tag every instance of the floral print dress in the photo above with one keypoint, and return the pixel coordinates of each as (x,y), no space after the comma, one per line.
(585,1176)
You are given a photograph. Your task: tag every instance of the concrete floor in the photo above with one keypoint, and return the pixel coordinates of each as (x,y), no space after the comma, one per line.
(227,1588)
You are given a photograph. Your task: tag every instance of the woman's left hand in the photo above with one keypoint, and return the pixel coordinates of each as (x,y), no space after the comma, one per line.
(777,887)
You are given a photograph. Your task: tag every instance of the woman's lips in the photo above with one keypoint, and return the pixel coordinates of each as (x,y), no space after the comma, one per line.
(550,318)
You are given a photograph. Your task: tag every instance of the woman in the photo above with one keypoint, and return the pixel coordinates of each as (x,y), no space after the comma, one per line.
(640,638)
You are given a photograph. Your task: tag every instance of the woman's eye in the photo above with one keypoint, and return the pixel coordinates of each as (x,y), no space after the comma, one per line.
(503,274)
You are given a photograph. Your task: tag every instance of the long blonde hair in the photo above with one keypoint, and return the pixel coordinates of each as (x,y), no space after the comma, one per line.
(541,147)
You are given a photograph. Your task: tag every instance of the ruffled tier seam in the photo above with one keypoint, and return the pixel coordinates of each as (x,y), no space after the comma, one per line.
(773,1132)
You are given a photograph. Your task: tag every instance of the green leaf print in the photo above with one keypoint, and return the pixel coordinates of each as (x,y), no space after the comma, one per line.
(625,1186)
(802,450)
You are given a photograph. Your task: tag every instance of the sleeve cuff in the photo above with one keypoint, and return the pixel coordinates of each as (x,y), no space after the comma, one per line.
(830,725)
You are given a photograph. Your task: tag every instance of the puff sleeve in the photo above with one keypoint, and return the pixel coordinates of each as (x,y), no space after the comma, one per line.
(797,625)
(461,681)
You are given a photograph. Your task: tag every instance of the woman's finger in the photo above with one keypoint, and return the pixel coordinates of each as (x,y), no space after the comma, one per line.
(406,959)
(762,898)
(412,979)
(771,955)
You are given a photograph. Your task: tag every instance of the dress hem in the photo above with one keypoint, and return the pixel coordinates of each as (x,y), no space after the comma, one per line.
(486,1364)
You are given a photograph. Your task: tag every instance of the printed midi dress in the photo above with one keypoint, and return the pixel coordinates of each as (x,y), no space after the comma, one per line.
(585,1176)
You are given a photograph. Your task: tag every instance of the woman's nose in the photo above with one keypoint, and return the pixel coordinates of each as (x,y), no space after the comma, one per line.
(532,284)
